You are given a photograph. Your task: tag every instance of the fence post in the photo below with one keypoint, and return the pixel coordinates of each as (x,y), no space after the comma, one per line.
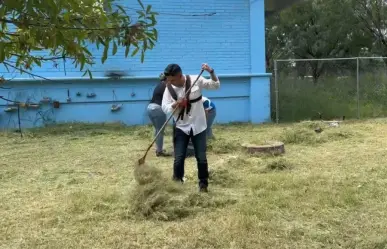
(276,92)
(358,87)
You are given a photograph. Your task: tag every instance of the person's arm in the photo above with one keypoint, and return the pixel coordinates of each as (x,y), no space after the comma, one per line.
(213,82)
(208,83)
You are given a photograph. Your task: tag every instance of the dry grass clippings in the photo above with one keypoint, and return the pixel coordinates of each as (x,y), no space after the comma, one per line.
(69,186)
(159,198)
(314,133)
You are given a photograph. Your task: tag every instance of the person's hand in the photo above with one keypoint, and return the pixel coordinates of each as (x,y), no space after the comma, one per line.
(206,67)
(180,103)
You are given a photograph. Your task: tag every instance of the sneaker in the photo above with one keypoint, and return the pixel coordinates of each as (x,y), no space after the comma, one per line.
(178,180)
(163,154)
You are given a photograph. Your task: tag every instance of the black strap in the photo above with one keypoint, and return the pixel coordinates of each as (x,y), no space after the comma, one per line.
(172,91)
(174,96)
(187,86)
(188,109)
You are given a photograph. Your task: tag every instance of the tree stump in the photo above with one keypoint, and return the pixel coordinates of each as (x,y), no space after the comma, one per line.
(272,148)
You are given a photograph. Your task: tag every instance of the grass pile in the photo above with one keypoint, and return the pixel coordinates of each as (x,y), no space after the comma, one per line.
(65,188)
(156,197)
(313,133)
(277,164)
(222,145)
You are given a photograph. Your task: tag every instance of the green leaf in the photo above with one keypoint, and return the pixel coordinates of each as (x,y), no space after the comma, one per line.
(101,41)
(142,56)
(2,52)
(135,51)
(155,33)
(152,44)
(3,13)
(105,51)
(127,50)
(66,17)
(142,6)
(88,72)
(105,54)
(18,61)
(140,14)
(82,61)
(87,51)
(148,9)
(122,9)
(145,44)
(37,61)
(114,48)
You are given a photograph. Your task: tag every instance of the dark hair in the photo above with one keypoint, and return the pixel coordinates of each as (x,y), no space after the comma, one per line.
(162,77)
(172,70)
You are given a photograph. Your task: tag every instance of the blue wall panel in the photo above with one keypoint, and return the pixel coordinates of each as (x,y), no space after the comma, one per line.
(187,36)
(232,102)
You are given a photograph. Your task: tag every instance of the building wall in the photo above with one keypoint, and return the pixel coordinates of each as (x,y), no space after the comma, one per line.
(227,34)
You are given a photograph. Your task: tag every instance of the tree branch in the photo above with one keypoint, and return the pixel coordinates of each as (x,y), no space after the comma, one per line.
(25,71)
(41,25)
(41,58)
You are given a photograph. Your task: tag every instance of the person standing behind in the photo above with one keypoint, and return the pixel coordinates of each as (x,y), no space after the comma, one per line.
(157,116)
(190,118)
(210,109)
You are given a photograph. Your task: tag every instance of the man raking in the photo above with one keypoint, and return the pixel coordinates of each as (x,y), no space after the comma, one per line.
(190,118)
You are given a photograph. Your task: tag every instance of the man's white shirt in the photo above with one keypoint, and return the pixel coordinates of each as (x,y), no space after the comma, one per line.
(196,118)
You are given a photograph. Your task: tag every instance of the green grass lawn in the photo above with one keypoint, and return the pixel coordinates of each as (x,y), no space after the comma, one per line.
(72,186)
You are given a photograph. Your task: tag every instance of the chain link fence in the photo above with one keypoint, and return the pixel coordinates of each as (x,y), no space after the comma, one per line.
(331,88)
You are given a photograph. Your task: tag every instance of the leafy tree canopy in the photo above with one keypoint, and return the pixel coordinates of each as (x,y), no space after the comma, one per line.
(65,29)
(314,29)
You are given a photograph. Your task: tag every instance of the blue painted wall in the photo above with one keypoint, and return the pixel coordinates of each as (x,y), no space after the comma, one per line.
(231,40)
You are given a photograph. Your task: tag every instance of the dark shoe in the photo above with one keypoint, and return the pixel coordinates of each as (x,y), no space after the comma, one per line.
(203,188)
(178,180)
(163,154)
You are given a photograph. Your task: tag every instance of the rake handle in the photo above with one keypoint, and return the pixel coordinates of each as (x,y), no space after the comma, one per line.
(173,112)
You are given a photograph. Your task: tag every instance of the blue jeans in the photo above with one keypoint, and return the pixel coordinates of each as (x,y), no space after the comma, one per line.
(199,141)
(210,120)
(158,118)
